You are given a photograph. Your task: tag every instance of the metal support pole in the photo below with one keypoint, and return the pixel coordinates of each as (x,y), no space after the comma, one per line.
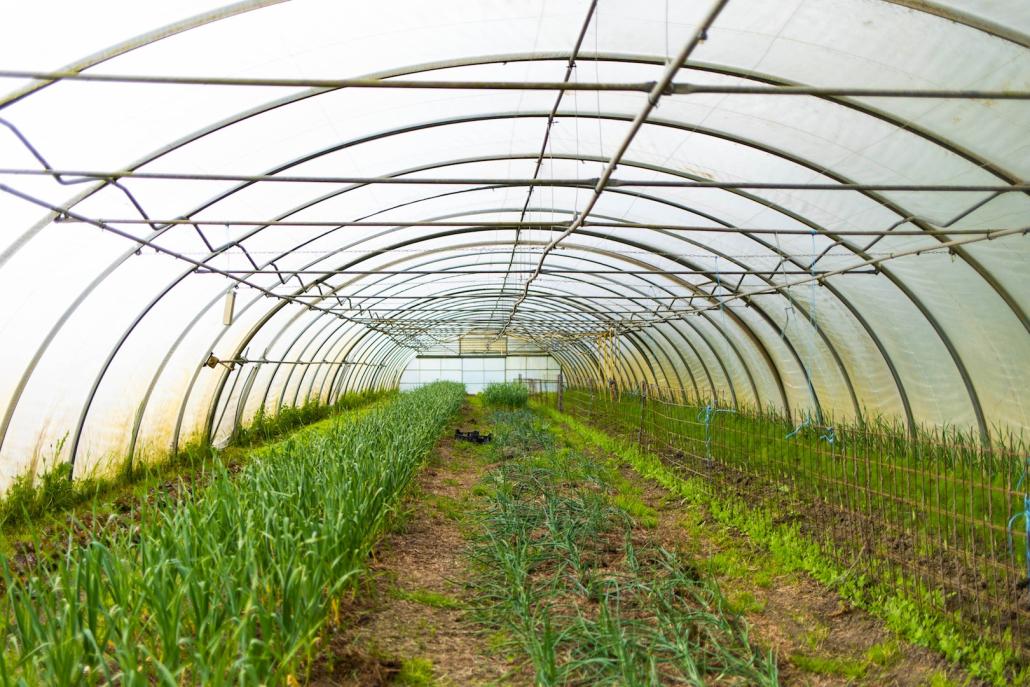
(594,391)
(561,392)
(667,87)
(403,224)
(643,408)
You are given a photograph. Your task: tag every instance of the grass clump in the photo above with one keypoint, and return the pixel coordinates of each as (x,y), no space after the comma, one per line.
(27,499)
(415,672)
(233,585)
(745,603)
(883,653)
(509,395)
(448,506)
(820,665)
(427,597)
(642,514)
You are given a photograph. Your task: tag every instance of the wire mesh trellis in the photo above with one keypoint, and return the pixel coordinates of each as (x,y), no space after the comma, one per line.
(933,515)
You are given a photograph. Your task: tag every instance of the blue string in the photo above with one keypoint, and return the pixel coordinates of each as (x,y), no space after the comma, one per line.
(829,436)
(1025,514)
(807,422)
(706,415)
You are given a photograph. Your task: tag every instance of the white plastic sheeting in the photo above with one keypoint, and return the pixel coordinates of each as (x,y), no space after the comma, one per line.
(104,341)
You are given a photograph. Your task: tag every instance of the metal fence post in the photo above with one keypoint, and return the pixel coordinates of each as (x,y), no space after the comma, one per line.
(643,406)
(593,400)
(561,393)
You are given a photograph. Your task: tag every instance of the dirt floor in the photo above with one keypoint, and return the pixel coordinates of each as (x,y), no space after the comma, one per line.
(407,624)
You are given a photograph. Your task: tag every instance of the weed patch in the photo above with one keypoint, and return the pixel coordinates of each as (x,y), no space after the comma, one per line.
(818,665)
(427,597)
(415,672)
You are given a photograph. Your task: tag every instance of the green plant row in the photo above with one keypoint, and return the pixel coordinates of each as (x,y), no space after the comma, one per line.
(234,584)
(506,395)
(559,572)
(943,486)
(29,497)
(265,426)
(912,617)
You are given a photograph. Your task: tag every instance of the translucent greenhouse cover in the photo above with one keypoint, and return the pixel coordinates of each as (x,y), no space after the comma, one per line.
(857,254)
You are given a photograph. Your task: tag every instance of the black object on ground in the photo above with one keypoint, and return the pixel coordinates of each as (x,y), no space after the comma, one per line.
(474,436)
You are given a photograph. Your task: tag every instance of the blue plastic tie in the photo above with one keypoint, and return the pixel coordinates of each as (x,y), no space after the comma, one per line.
(706,415)
(829,436)
(1025,514)
(807,422)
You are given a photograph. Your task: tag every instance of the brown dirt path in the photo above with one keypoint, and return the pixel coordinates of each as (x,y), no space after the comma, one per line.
(406,624)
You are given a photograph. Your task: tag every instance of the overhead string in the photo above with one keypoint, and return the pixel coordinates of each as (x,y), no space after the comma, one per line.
(811,270)
(788,308)
(718,285)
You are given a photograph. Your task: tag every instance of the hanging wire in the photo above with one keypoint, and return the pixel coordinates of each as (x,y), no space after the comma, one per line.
(812,288)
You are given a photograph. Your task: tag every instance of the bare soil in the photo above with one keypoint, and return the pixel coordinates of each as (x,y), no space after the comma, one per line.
(383,629)
(818,638)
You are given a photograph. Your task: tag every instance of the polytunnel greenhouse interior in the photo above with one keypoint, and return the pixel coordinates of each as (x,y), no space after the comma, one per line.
(515,342)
